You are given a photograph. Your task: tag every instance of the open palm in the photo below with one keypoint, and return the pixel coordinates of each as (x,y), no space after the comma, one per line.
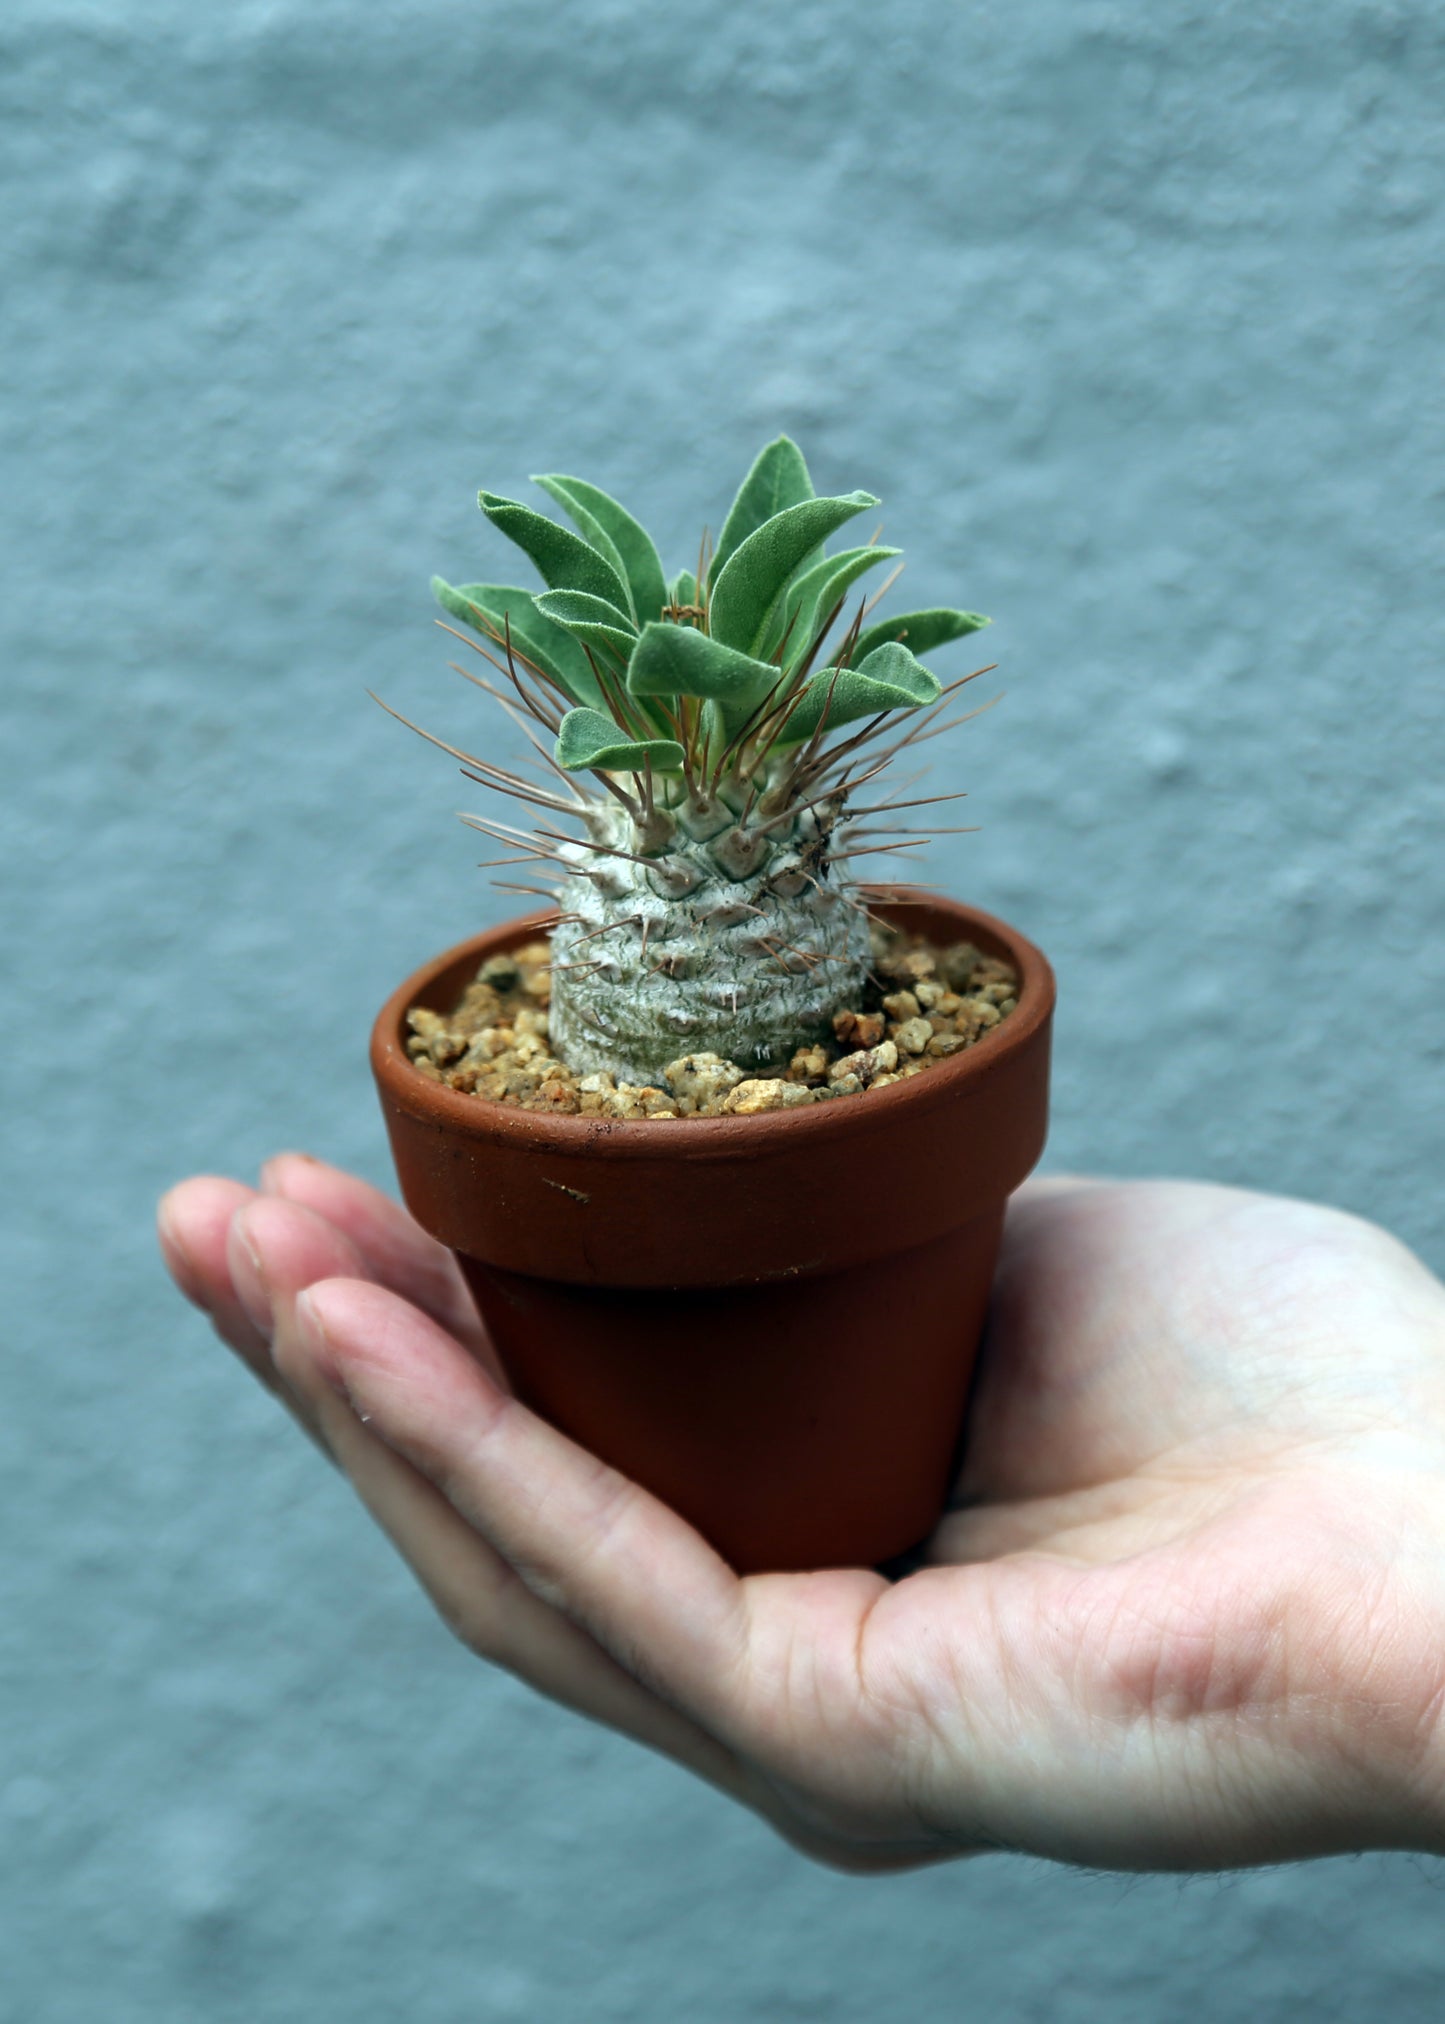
(1187,1609)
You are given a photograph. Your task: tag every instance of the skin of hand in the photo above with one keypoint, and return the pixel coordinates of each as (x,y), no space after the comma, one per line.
(1187,1608)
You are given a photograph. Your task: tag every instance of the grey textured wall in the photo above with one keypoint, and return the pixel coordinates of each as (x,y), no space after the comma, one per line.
(1131,312)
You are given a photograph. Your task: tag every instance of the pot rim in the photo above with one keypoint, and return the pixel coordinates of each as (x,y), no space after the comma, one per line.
(724,1137)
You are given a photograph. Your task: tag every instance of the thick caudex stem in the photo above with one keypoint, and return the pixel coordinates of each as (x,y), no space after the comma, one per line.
(704,961)
(703,908)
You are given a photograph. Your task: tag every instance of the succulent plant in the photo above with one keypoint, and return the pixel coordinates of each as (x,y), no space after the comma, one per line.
(706,741)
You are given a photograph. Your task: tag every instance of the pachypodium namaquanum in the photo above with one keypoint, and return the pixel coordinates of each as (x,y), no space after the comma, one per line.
(703,741)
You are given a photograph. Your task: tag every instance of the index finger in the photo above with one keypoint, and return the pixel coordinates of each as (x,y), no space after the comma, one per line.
(584,1538)
(781,1668)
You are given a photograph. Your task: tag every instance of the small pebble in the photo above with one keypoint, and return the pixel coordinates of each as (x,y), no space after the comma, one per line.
(702,1079)
(959,964)
(913,1035)
(866,1063)
(858,1029)
(765,1093)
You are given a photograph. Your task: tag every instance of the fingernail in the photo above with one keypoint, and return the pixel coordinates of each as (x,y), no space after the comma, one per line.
(270,1176)
(320,1349)
(312,1330)
(249,1278)
(173,1251)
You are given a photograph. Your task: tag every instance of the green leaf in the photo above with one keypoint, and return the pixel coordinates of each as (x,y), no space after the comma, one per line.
(587,738)
(756,572)
(779,478)
(564,560)
(813,595)
(490,608)
(594,534)
(592,619)
(603,521)
(920,631)
(889,679)
(683,588)
(676,660)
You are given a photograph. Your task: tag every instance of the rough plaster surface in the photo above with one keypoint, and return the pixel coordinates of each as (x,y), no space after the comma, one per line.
(1131,314)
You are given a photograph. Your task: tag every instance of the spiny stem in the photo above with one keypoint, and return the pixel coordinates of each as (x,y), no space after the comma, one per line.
(520,790)
(506,886)
(548,721)
(539,674)
(635,725)
(508,782)
(923,801)
(607,928)
(889,829)
(534,705)
(875,850)
(883,589)
(782,646)
(925,727)
(511,709)
(539,853)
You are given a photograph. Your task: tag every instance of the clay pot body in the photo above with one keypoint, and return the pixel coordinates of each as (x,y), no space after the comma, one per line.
(770,1321)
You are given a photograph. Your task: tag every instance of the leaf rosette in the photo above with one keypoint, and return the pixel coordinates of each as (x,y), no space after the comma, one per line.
(708,733)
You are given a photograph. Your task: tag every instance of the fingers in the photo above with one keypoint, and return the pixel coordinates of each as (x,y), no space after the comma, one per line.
(821,1740)
(234,1267)
(246,1258)
(276,1249)
(544,1560)
(192,1223)
(477,1593)
(243,1258)
(398,1251)
(386,1245)
(582,1538)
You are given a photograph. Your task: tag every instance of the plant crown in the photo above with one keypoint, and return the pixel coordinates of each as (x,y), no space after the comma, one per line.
(712,712)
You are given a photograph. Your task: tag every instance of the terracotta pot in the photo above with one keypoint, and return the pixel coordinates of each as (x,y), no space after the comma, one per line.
(770,1321)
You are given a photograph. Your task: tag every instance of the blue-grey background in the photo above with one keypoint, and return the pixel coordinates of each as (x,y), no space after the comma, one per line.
(1131,312)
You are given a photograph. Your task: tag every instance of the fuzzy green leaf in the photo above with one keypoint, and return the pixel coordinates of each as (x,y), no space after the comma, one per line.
(809,598)
(593,620)
(755,575)
(683,588)
(920,631)
(596,536)
(889,679)
(564,560)
(587,738)
(676,660)
(492,608)
(779,478)
(600,516)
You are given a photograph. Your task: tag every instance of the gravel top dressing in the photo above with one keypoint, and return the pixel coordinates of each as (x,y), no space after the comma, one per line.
(921,1005)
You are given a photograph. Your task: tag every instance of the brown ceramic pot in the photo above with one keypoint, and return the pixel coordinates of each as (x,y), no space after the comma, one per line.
(770,1321)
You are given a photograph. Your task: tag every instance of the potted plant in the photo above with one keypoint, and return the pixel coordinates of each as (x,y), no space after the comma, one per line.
(724,1160)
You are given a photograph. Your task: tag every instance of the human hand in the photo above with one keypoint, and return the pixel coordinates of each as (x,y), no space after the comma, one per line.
(1188,1609)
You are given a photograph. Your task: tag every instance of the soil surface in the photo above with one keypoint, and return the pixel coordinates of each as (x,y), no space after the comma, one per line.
(923,1003)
